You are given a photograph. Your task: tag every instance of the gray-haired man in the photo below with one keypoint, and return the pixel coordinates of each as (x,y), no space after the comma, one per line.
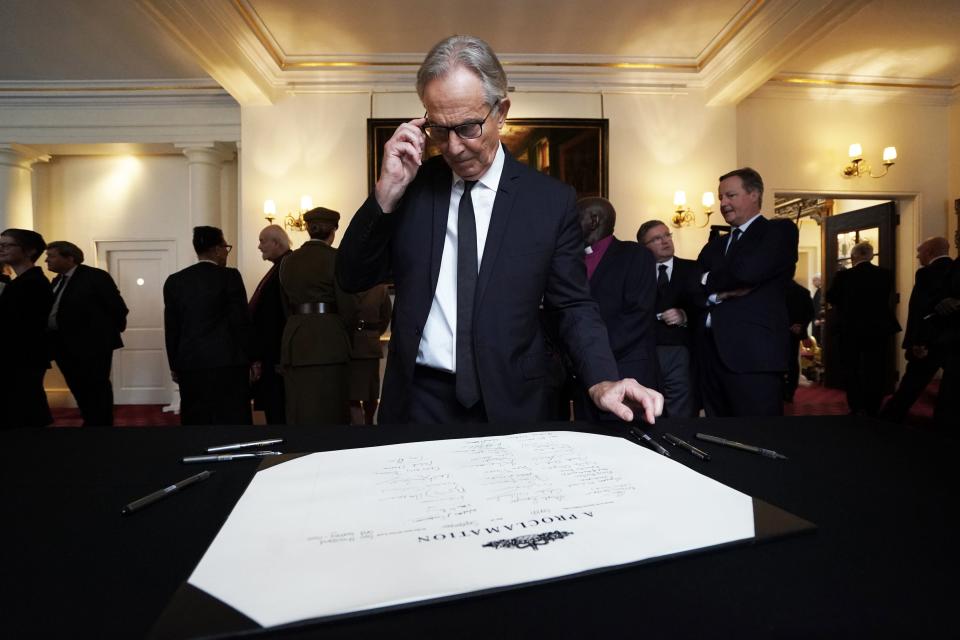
(474,241)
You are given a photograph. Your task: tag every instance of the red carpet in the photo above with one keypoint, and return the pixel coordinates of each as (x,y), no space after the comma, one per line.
(124,415)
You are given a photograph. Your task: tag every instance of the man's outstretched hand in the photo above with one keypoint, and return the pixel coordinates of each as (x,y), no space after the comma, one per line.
(622,396)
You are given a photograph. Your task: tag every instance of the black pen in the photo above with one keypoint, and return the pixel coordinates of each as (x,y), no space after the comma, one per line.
(244,445)
(643,437)
(163,493)
(231,456)
(769,453)
(677,442)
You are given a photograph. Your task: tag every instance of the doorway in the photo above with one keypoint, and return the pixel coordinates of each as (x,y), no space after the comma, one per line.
(140,371)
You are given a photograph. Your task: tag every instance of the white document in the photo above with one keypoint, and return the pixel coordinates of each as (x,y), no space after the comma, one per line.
(344,531)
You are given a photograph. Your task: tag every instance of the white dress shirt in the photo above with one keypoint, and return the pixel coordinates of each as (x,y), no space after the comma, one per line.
(438,342)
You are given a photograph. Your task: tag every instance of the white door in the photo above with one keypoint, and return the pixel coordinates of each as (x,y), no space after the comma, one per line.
(140,371)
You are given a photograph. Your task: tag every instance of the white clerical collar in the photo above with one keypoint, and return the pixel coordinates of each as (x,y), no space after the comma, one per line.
(490,179)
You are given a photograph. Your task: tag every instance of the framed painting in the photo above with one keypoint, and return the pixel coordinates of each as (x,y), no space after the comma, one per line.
(573,150)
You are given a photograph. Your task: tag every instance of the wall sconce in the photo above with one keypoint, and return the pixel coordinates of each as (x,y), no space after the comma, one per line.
(683,216)
(290,221)
(858,168)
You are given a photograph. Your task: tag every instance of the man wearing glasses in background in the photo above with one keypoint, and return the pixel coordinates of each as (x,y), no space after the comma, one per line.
(680,300)
(474,242)
(208,332)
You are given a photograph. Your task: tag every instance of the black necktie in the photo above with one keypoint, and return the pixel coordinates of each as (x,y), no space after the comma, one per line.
(662,279)
(733,238)
(468,389)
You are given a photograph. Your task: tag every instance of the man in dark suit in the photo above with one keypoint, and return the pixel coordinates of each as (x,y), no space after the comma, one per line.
(621,280)
(680,302)
(207,328)
(84,328)
(923,352)
(946,332)
(799,314)
(269,317)
(474,241)
(743,336)
(863,298)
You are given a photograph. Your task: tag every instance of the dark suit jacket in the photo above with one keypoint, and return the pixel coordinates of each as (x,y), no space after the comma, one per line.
(683,291)
(799,307)
(750,331)
(625,290)
(269,317)
(534,252)
(24,309)
(91,315)
(207,325)
(928,284)
(863,298)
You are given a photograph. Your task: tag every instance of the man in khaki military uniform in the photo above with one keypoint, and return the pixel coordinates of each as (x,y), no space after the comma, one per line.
(315,351)
(373,316)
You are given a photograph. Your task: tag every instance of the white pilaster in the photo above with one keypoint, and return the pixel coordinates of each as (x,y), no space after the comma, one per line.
(205,162)
(16,190)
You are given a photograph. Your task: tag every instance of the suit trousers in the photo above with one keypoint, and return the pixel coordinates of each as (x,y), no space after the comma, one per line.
(433,399)
(728,393)
(946,413)
(919,373)
(676,380)
(863,367)
(89,382)
(792,379)
(23,401)
(215,396)
(269,395)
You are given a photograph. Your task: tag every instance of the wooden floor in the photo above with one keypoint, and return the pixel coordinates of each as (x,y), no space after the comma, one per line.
(811,400)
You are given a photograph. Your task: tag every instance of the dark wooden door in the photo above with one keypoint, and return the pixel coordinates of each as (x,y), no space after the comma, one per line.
(876,224)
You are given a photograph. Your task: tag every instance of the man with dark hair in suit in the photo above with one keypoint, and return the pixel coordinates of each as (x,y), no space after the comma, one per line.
(743,336)
(621,280)
(316,346)
(680,301)
(24,307)
(474,242)
(208,335)
(863,298)
(269,315)
(923,351)
(84,328)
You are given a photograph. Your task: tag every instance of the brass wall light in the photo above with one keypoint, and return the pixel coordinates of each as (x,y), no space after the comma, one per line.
(683,216)
(858,168)
(291,221)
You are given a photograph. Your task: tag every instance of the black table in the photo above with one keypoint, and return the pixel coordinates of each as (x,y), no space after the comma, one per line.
(882,562)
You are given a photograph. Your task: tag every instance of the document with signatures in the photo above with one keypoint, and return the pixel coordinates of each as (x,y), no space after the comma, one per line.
(346,531)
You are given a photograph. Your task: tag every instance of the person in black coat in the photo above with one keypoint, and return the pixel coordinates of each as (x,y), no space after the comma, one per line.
(863,298)
(472,358)
(621,278)
(800,313)
(208,335)
(24,307)
(742,338)
(680,304)
(922,350)
(269,318)
(84,328)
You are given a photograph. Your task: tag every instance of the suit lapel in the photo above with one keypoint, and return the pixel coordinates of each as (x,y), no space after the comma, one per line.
(502,205)
(443,185)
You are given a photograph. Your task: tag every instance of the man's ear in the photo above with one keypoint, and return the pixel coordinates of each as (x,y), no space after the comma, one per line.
(502,110)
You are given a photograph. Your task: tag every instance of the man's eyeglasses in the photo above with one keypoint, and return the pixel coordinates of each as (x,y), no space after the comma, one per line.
(465,130)
(228,247)
(661,238)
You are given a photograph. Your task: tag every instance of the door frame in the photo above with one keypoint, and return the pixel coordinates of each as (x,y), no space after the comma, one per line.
(103,250)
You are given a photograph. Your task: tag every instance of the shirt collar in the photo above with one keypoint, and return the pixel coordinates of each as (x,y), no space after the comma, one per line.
(70,272)
(206,260)
(600,245)
(743,227)
(490,179)
(668,262)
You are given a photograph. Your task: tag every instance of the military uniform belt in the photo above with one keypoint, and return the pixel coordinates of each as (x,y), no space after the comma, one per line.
(369,325)
(306,308)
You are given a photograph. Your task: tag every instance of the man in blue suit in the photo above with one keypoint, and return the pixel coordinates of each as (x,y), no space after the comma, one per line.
(474,242)
(743,334)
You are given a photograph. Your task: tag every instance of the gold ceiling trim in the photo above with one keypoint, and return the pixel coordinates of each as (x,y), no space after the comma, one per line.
(745,19)
(150,89)
(278,56)
(856,83)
